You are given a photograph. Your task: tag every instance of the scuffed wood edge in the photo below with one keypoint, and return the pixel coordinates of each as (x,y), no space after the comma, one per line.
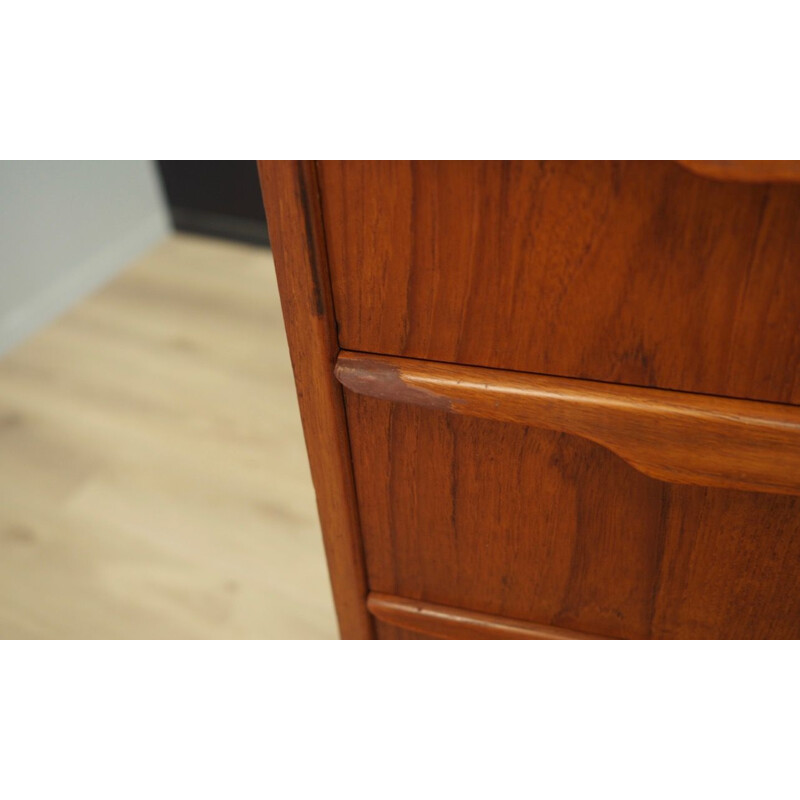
(671,436)
(445,622)
(294,217)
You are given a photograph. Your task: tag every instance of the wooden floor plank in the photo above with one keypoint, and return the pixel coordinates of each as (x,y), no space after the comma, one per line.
(153,477)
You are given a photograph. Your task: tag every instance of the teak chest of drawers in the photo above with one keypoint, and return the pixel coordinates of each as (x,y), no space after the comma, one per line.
(549,399)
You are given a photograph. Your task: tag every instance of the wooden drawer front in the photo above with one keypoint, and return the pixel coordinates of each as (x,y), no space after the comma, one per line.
(506,519)
(385,630)
(640,273)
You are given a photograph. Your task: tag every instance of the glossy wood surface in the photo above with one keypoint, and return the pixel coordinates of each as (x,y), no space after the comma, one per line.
(535,525)
(485,497)
(443,622)
(291,199)
(672,436)
(640,273)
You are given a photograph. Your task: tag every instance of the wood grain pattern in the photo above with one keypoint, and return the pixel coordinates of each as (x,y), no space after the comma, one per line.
(442,622)
(624,272)
(291,200)
(749,171)
(486,495)
(672,436)
(535,525)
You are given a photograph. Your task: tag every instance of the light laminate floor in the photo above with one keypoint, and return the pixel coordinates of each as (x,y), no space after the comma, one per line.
(153,477)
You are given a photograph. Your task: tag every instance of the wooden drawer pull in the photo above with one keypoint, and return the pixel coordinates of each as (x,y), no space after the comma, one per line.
(445,622)
(747,171)
(671,436)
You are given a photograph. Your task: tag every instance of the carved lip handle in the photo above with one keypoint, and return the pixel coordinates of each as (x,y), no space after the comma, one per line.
(671,436)
(446,622)
(747,171)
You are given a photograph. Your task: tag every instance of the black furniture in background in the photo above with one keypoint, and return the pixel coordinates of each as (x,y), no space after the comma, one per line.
(215,198)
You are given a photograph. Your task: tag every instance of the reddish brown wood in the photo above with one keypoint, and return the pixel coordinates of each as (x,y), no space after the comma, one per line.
(386,631)
(291,200)
(625,272)
(484,492)
(535,525)
(672,436)
(443,622)
(750,171)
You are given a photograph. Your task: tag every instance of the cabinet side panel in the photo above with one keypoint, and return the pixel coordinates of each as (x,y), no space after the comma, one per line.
(291,200)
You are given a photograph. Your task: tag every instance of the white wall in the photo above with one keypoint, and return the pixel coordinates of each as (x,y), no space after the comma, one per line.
(66,227)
